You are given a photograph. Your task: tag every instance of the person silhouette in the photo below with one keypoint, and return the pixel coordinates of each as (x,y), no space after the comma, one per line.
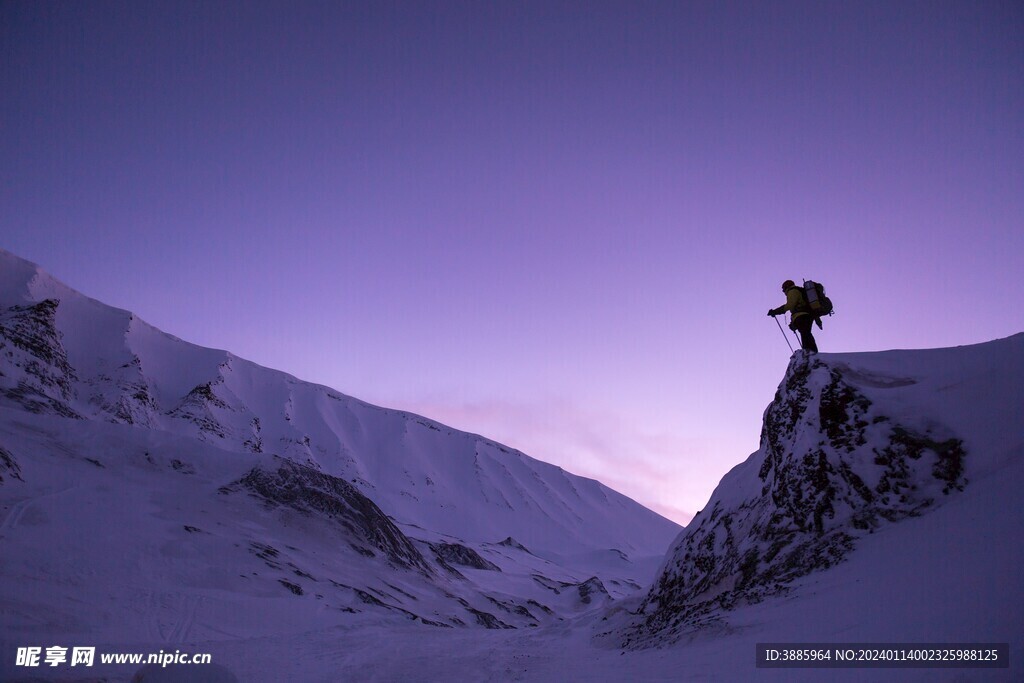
(801,318)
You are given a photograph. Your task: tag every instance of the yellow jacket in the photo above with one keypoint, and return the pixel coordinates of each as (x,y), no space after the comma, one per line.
(794,301)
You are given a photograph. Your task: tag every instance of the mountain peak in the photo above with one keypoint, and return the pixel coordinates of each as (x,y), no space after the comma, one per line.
(75,356)
(851,444)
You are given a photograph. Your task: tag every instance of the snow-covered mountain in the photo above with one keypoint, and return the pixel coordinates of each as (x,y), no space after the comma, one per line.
(852,446)
(72,356)
(882,507)
(159,495)
(158,491)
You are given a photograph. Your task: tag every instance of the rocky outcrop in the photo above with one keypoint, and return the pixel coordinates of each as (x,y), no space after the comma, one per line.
(314,493)
(592,589)
(202,406)
(455,553)
(831,467)
(124,395)
(513,543)
(38,376)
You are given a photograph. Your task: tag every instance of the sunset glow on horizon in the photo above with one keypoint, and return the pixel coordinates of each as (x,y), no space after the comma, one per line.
(555,224)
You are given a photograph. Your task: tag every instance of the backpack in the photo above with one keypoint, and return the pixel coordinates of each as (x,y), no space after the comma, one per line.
(815,301)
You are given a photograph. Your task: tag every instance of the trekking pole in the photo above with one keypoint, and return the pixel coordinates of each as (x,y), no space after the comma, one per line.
(783,334)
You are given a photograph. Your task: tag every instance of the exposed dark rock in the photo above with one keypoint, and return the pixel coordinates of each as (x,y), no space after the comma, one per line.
(488,620)
(311,492)
(32,328)
(592,588)
(267,553)
(825,480)
(365,552)
(255,443)
(9,465)
(555,587)
(841,412)
(513,543)
(182,467)
(544,608)
(30,341)
(35,401)
(449,568)
(949,463)
(376,602)
(198,407)
(402,592)
(203,393)
(456,553)
(511,607)
(131,401)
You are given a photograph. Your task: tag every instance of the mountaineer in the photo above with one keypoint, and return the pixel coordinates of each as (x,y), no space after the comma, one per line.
(801,316)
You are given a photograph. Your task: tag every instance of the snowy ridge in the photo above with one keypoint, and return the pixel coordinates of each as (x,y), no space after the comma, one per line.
(73,356)
(158,493)
(851,445)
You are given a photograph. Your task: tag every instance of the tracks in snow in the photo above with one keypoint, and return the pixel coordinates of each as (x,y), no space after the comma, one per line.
(171,616)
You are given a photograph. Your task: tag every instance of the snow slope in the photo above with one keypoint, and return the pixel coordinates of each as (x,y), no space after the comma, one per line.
(938,567)
(851,445)
(157,495)
(108,364)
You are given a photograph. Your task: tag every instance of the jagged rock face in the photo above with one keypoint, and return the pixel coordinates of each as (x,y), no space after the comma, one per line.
(831,468)
(593,588)
(456,553)
(39,377)
(124,396)
(42,380)
(309,491)
(513,543)
(198,407)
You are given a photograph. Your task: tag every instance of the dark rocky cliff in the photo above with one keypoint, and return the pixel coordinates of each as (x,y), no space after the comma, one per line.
(831,467)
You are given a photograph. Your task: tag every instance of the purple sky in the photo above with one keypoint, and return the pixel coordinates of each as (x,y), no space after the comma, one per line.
(556,224)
